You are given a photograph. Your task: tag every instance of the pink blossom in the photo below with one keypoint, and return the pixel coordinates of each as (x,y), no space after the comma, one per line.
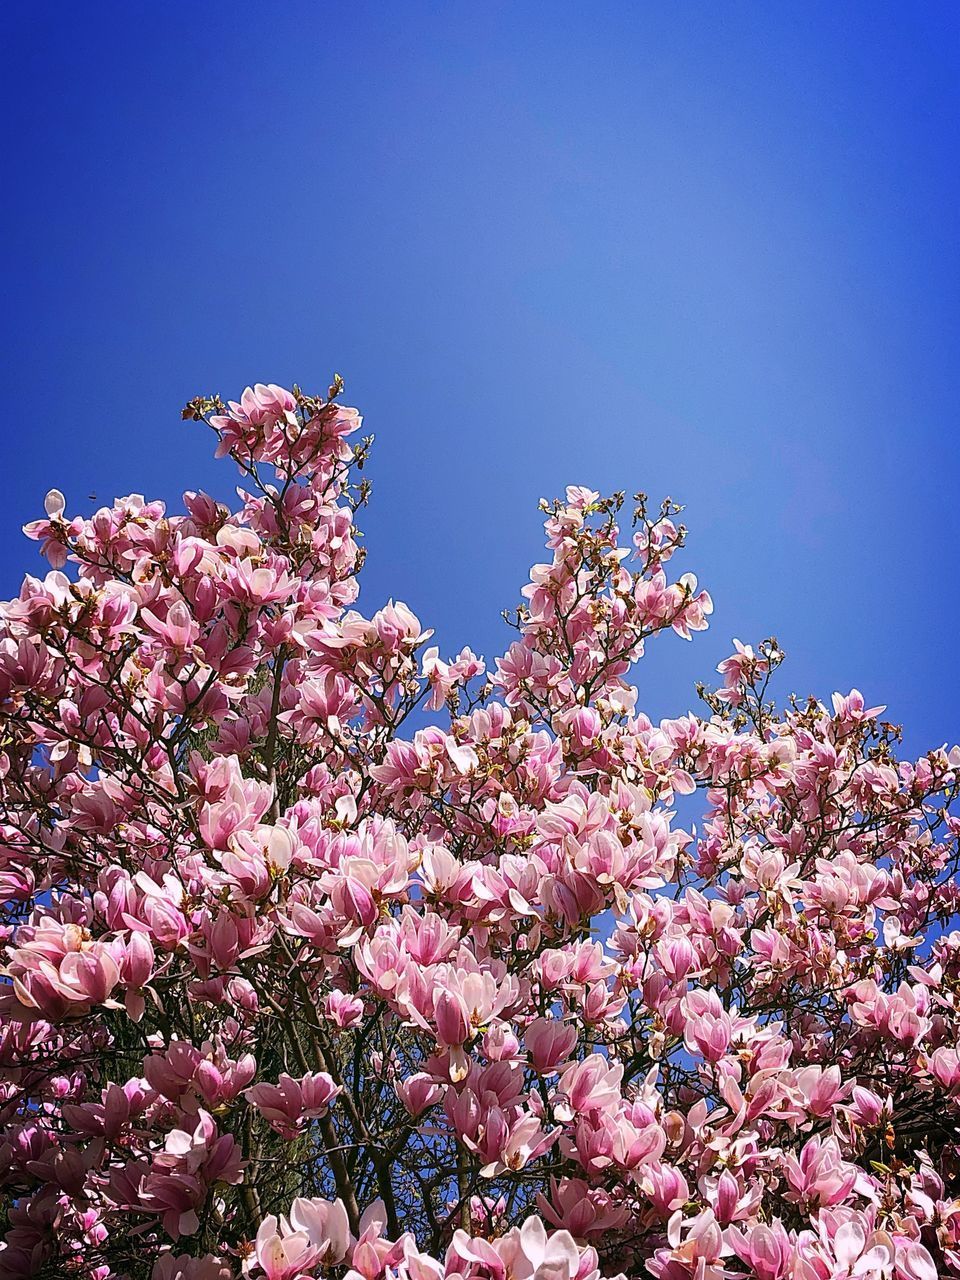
(289,1103)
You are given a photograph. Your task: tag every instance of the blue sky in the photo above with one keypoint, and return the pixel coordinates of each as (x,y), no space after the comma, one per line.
(707,250)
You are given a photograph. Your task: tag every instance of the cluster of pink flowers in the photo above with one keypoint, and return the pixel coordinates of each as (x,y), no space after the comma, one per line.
(324,955)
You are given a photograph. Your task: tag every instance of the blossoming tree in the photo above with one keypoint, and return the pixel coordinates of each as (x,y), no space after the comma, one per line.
(328,956)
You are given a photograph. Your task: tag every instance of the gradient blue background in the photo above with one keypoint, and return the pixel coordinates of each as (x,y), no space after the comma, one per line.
(709,250)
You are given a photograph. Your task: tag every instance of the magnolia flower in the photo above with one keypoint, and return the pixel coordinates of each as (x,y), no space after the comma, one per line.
(289,1104)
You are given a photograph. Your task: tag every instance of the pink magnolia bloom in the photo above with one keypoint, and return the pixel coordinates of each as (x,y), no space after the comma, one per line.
(766,1249)
(549,1043)
(279,1254)
(325,1224)
(418,1092)
(316,1233)
(819,1175)
(61,970)
(590,1085)
(289,1104)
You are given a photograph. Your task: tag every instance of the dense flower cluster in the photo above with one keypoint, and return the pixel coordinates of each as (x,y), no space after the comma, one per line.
(324,955)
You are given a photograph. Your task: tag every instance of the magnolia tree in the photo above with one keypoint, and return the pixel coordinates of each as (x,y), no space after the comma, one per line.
(326,956)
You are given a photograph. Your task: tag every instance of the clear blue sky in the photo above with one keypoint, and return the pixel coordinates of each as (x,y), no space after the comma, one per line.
(704,249)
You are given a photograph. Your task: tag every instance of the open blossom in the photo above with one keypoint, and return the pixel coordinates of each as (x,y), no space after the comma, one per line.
(61,969)
(819,1174)
(289,1104)
(326,953)
(528,1253)
(316,1232)
(742,668)
(591,1085)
